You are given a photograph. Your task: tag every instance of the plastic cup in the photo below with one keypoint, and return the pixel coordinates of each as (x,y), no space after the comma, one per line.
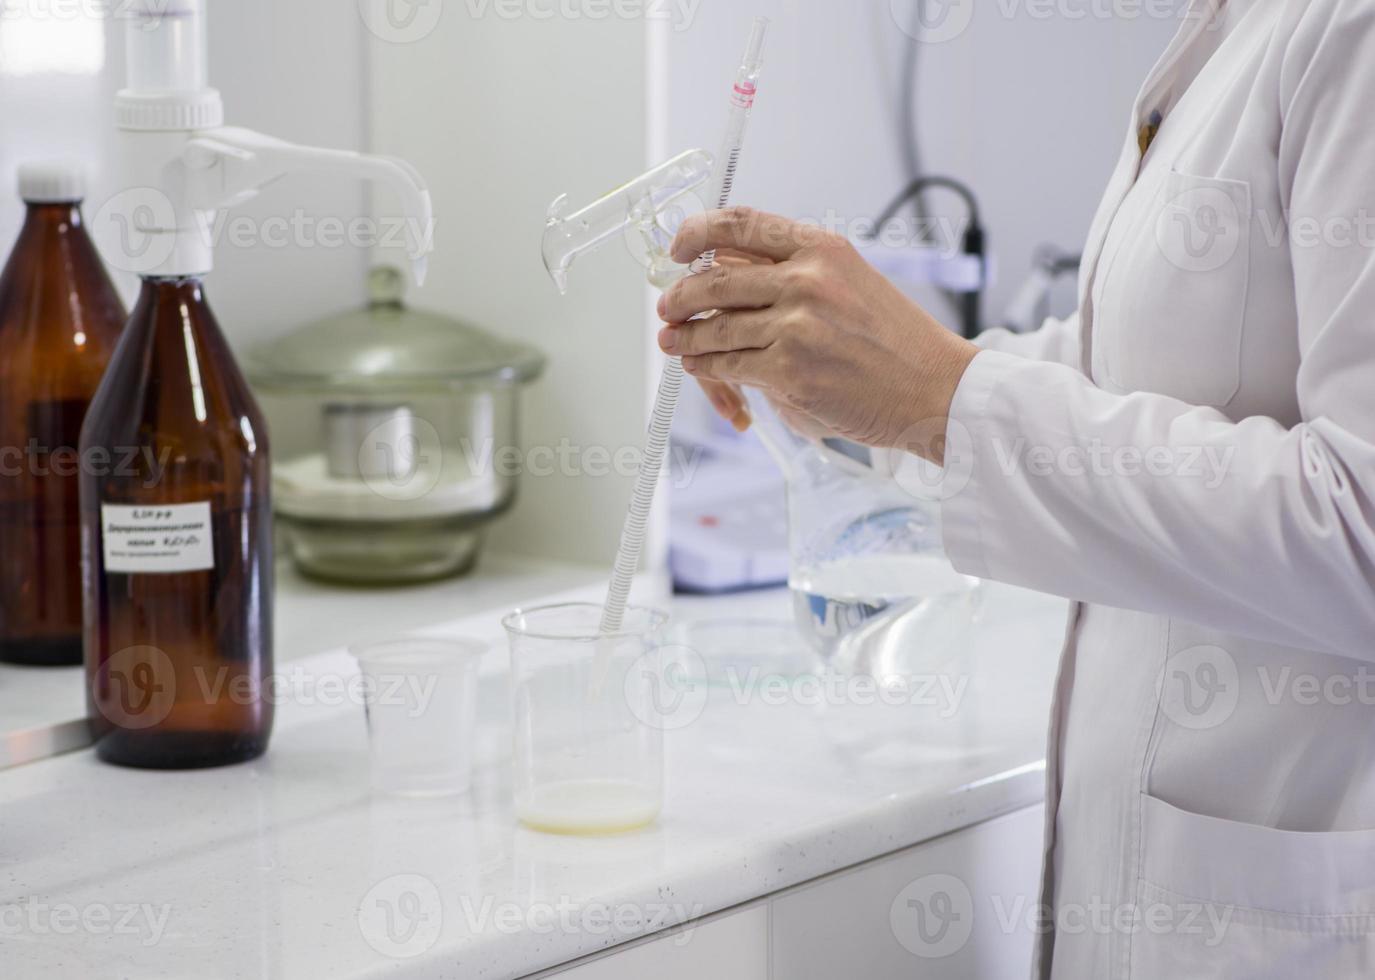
(421,702)
(589,757)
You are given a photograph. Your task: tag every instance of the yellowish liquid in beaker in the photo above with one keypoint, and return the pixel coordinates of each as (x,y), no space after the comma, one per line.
(588,807)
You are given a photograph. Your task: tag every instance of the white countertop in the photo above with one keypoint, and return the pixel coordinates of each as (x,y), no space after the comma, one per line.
(310,618)
(288,867)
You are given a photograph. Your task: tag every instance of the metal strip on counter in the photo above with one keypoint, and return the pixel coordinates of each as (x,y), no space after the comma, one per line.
(21,748)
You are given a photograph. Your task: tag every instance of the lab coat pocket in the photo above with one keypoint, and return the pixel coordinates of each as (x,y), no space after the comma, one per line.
(1219,898)
(1174,305)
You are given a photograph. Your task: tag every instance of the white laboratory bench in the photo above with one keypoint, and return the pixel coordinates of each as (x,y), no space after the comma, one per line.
(312,618)
(797,840)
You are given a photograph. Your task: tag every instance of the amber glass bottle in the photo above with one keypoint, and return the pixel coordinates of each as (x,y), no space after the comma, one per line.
(59,320)
(179,545)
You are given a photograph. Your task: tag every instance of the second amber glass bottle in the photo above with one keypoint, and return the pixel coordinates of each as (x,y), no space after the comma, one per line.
(59,320)
(178,564)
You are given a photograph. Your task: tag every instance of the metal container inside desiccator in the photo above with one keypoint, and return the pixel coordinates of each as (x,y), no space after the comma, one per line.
(388,428)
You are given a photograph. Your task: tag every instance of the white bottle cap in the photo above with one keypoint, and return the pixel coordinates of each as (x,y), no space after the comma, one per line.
(52,182)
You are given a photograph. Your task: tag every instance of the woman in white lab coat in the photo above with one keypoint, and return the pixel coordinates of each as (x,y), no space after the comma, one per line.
(1191,458)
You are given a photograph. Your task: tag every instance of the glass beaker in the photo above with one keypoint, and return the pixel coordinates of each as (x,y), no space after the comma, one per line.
(589,758)
(873,590)
(421,701)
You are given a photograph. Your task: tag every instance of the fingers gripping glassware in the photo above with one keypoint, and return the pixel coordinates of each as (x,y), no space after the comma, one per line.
(589,757)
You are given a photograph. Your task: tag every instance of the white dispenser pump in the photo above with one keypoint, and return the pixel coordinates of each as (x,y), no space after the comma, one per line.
(183,165)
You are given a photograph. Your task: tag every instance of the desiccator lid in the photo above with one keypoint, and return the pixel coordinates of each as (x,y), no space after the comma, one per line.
(387,345)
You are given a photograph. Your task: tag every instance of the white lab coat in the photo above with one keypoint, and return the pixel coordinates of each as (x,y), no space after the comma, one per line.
(1192,459)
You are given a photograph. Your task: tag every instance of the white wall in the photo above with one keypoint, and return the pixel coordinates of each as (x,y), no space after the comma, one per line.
(1030,111)
(291,69)
(55,82)
(502,108)
(502,114)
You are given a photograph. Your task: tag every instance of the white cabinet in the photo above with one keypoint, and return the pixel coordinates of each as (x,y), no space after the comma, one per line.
(961,907)
(733,947)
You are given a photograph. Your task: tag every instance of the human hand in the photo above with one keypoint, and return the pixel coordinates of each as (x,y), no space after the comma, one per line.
(816,328)
(727,398)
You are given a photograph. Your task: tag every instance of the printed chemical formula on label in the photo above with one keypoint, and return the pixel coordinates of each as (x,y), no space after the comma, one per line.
(157,539)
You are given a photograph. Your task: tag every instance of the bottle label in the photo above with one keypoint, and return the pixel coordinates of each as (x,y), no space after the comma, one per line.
(157,539)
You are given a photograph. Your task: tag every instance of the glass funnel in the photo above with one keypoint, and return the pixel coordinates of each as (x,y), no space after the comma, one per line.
(639,207)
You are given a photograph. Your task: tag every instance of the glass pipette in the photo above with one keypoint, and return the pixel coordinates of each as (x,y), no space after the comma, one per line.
(670,386)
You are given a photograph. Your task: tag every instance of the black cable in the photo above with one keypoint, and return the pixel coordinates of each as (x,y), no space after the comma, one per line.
(968,305)
(922,184)
(975,242)
(971,314)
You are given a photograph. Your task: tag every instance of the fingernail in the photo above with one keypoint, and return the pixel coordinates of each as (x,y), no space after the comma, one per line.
(663,307)
(742,420)
(668,340)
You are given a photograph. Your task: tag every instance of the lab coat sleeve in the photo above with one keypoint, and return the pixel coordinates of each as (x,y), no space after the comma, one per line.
(1145,502)
(1057,341)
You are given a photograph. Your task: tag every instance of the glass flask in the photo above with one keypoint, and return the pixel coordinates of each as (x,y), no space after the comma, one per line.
(873,591)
